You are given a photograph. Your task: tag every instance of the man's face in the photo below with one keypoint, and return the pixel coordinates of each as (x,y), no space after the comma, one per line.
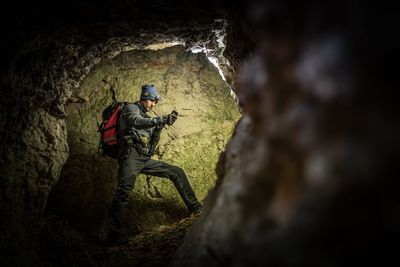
(148,104)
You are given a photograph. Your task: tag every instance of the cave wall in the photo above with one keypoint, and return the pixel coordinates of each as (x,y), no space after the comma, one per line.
(311,186)
(309,177)
(208,111)
(50,51)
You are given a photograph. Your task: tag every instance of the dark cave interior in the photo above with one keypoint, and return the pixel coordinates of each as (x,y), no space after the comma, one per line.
(295,166)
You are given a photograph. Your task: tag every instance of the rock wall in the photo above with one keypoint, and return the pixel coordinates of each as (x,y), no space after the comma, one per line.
(48,63)
(208,111)
(307,179)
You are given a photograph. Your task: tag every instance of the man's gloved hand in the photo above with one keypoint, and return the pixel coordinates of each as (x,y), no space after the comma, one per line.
(167,119)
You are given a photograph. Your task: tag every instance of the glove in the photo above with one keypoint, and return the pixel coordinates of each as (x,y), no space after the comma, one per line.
(168,119)
(171,118)
(161,121)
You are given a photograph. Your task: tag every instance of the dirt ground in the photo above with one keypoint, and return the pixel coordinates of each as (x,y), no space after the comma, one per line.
(65,246)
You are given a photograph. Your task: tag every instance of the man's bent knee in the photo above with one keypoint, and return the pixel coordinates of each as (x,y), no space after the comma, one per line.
(177,170)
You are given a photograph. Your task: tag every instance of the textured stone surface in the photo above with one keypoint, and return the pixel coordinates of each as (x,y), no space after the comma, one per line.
(186,82)
(307,179)
(45,63)
(315,145)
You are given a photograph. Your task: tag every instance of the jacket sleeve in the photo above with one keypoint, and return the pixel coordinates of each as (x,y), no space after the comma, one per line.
(133,118)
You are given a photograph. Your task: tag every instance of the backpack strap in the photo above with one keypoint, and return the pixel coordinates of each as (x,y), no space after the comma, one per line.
(120,135)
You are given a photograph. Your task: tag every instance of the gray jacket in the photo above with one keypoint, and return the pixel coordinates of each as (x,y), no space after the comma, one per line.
(139,128)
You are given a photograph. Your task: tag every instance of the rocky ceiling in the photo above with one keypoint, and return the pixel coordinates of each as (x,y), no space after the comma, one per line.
(307,177)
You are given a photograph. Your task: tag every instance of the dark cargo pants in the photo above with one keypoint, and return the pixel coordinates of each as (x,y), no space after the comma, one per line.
(131,163)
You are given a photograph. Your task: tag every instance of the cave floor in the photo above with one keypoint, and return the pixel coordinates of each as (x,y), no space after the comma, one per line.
(68,247)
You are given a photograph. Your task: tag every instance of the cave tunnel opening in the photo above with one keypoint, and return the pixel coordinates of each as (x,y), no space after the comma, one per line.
(187,82)
(305,178)
(63,76)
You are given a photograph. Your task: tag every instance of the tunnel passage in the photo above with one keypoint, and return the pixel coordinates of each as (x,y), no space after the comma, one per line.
(187,82)
(335,137)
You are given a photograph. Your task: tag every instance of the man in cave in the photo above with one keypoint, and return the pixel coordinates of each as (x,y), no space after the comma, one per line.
(140,136)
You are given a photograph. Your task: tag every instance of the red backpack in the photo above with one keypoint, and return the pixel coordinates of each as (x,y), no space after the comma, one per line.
(108,129)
